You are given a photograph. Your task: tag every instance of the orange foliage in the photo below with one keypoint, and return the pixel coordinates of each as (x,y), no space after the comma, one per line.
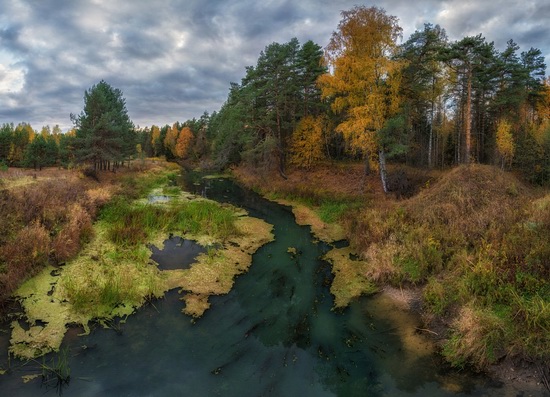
(183,144)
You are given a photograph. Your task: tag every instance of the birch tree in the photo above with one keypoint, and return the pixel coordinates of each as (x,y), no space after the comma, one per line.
(363,79)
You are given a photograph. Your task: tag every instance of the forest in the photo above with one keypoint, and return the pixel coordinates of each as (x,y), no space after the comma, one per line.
(427,102)
(390,108)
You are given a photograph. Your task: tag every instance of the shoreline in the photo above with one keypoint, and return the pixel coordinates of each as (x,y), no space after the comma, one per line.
(520,377)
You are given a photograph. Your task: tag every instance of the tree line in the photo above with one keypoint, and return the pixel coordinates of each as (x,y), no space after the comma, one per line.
(22,146)
(103,137)
(428,102)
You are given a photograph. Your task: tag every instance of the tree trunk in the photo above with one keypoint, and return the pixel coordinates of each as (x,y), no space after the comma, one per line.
(366,173)
(468,119)
(430,140)
(383,173)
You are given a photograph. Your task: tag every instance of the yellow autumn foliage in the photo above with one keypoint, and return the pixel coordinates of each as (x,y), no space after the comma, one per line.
(306,147)
(505,142)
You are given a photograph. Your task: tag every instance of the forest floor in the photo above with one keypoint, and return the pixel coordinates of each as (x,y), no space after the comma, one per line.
(442,243)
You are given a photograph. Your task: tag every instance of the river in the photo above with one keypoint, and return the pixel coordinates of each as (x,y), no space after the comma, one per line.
(274,334)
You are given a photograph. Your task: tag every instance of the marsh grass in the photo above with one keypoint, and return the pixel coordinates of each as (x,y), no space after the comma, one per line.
(114,271)
(57,372)
(333,210)
(130,224)
(112,274)
(133,187)
(112,284)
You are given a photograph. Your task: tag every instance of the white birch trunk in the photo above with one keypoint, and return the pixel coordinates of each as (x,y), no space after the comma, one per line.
(383,174)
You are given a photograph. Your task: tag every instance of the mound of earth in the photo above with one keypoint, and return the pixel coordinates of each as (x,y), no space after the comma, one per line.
(470,199)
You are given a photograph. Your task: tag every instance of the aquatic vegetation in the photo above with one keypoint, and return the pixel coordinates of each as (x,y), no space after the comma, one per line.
(327,232)
(214,271)
(351,276)
(57,372)
(47,315)
(113,275)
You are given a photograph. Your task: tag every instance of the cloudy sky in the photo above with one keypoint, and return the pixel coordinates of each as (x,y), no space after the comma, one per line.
(174,59)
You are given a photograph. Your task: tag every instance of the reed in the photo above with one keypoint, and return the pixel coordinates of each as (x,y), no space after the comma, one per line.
(56,373)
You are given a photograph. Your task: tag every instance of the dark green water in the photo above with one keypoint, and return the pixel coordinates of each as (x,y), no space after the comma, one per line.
(274,334)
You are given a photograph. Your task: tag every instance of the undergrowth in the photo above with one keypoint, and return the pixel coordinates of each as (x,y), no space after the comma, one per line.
(478,244)
(42,223)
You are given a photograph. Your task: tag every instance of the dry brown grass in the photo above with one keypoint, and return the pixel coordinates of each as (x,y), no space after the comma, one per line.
(470,200)
(478,337)
(27,253)
(45,216)
(68,241)
(336,179)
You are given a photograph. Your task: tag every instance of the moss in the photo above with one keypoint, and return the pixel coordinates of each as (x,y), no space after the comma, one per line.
(213,272)
(40,308)
(108,280)
(327,232)
(350,276)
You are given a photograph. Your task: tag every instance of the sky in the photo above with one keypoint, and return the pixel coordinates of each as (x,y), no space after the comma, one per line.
(174,59)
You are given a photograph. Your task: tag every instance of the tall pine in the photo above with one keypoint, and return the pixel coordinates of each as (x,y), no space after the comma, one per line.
(104,133)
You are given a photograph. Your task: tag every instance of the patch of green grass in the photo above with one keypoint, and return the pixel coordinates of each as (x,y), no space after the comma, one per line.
(171,190)
(435,297)
(332,211)
(134,187)
(132,224)
(203,217)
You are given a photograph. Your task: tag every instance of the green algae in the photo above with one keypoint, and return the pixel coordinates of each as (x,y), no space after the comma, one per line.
(350,276)
(48,314)
(108,280)
(213,273)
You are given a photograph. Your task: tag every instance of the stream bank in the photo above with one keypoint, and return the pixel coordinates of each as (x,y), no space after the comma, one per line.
(395,252)
(275,333)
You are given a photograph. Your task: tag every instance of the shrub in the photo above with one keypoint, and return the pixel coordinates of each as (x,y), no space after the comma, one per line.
(76,231)
(23,256)
(436,295)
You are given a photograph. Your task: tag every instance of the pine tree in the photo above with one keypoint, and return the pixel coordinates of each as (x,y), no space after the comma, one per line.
(104,133)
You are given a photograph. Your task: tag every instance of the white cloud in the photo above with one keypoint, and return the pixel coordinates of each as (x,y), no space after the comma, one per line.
(174,59)
(12,80)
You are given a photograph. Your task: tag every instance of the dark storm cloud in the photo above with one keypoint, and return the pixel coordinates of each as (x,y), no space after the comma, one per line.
(175,59)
